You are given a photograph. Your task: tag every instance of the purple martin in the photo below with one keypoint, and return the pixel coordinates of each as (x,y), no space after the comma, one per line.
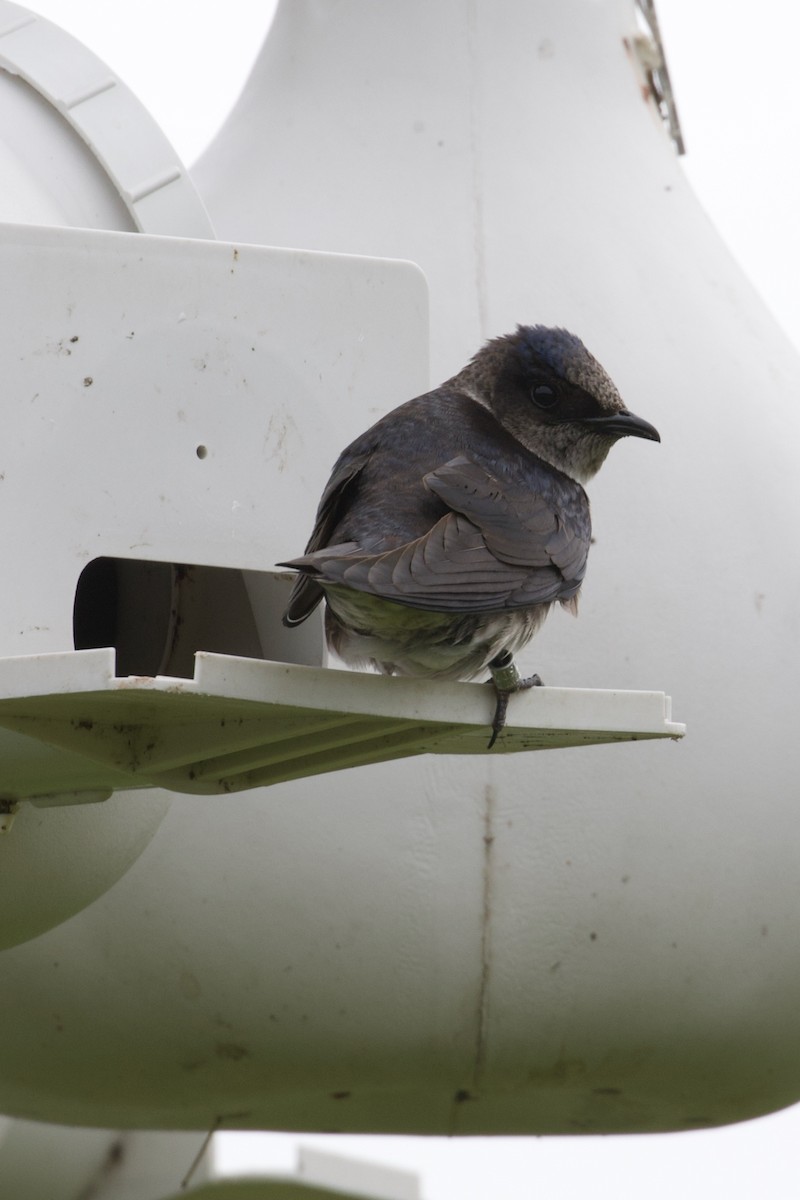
(448,530)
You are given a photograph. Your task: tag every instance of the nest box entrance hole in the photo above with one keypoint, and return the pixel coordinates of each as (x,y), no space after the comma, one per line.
(158,614)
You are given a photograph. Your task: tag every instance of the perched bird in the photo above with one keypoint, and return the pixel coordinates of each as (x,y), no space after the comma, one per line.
(449,528)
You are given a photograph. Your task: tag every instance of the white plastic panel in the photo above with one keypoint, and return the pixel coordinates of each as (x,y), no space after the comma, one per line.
(130,353)
(61,1163)
(318,1176)
(179,402)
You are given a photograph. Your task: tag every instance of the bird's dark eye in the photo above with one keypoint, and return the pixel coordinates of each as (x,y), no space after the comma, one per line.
(543,396)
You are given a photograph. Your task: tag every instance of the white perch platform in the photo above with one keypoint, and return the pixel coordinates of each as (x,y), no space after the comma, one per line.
(242,723)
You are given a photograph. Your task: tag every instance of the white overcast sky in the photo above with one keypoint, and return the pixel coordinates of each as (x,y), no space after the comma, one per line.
(734,71)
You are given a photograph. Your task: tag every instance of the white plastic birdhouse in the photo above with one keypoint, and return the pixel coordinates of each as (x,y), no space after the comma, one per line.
(289,914)
(173,405)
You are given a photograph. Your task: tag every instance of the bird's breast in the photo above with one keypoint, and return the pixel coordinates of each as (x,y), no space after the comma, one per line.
(367,630)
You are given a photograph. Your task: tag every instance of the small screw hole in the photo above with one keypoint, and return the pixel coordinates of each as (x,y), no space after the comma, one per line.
(201,451)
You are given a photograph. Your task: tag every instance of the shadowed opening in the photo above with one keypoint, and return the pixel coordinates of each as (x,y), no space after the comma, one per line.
(156,615)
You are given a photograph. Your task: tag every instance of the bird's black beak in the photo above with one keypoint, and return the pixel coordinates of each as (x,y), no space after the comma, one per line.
(623,424)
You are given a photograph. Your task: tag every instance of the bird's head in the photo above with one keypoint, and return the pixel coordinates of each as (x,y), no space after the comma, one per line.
(547,390)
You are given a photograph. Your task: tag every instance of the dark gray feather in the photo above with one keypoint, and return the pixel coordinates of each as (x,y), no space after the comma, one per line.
(501,545)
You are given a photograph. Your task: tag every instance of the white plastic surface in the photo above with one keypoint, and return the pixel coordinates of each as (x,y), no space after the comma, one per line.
(318,1176)
(39,1160)
(76,145)
(131,352)
(240,723)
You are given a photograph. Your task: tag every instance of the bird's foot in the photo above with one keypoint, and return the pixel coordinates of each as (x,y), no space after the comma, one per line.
(506,680)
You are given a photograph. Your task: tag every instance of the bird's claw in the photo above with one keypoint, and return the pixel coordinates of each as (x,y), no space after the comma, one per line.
(506,680)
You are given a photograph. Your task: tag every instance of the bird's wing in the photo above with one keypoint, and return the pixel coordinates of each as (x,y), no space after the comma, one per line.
(502,545)
(523,521)
(306,592)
